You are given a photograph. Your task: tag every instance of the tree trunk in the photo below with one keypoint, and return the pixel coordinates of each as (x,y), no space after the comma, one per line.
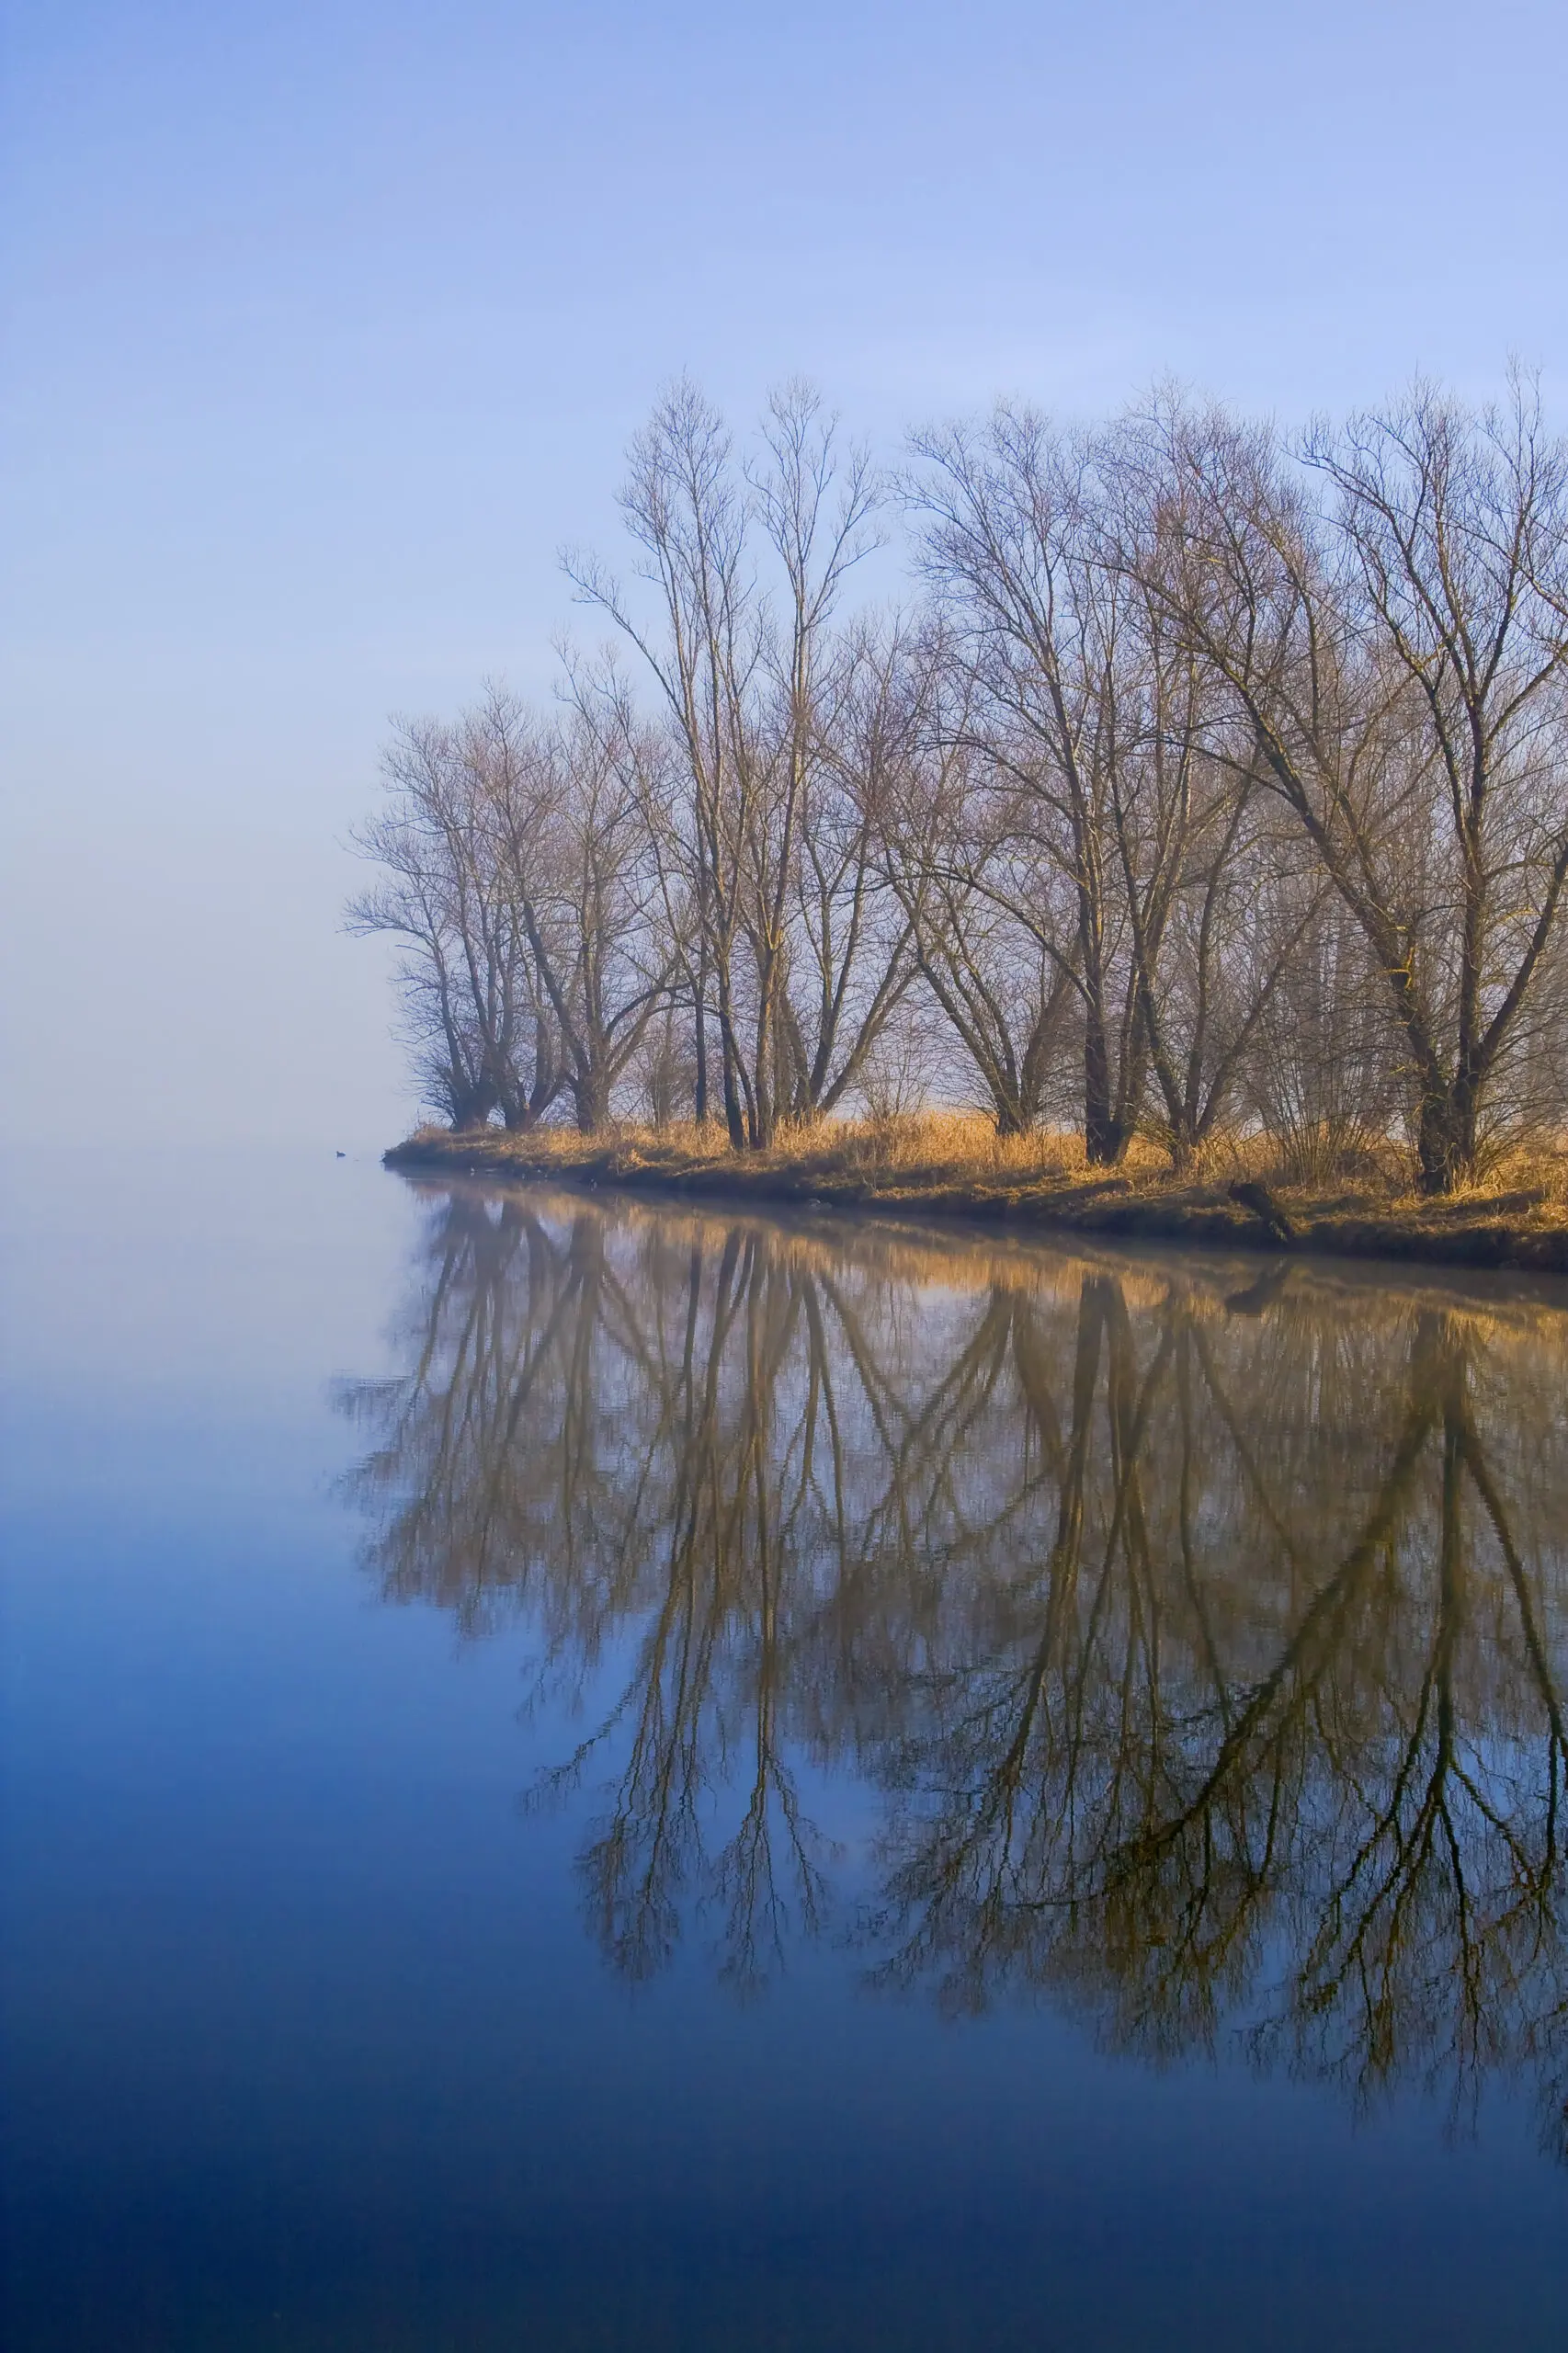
(592,1102)
(734,1118)
(700,1105)
(472,1108)
(1103,1137)
(1445,1138)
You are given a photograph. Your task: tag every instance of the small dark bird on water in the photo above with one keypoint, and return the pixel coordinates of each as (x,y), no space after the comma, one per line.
(343,1155)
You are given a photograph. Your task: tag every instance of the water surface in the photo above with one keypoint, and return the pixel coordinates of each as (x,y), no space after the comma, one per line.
(585,1776)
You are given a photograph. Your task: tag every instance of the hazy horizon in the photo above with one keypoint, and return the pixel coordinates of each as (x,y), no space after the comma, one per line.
(327,327)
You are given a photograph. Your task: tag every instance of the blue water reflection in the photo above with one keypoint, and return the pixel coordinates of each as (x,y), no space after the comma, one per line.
(901,1957)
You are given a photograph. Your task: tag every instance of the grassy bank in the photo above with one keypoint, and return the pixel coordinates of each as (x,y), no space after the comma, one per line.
(942,1165)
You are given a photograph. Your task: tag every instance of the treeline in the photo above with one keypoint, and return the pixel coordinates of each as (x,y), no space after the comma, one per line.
(1201,778)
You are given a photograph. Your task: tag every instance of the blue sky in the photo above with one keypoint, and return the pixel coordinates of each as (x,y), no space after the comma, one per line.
(325,326)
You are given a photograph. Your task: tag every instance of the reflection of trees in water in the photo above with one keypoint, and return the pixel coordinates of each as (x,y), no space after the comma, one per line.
(1207,1656)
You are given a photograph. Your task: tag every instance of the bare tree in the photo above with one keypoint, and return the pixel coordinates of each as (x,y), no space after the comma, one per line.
(1399,660)
(519,875)
(854,954)
(1004,996)
(1324,1072)
(457,796)
(587,895)
(776,859)
(1008,545)
(687,513)
(827,976)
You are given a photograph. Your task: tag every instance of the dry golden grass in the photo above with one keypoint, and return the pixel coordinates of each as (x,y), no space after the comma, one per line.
(953,1146)
(953,1163)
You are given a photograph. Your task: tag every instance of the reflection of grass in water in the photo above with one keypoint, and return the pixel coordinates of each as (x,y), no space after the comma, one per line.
(948,1260)
(947,1162)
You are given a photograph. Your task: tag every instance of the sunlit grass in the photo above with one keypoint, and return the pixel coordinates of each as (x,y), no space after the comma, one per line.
(946,1157)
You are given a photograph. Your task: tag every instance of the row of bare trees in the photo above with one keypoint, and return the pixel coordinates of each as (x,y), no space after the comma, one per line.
(1202,777)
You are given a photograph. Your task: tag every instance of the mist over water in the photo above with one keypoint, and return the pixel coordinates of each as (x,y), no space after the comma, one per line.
(582,1775)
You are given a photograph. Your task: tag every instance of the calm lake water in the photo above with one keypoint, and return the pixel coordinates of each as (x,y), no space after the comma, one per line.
(580,1775)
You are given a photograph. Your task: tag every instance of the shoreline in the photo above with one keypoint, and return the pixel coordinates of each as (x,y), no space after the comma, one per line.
(1514,1233)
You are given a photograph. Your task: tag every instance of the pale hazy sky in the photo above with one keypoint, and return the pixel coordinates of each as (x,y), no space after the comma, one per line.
(325,326)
